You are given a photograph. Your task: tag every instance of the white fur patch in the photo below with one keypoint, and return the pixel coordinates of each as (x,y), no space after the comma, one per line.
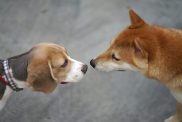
(110,66)
(177,96)
(75,73)
(170,119)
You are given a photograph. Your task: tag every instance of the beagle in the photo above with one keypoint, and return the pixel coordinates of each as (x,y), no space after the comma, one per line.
(42,68)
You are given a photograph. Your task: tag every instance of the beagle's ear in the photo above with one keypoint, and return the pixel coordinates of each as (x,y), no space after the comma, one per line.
(40,76)
(140,54)
(51,71)
(136,21)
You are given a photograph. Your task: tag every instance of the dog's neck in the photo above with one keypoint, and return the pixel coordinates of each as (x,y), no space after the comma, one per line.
(167,66)
(18,65)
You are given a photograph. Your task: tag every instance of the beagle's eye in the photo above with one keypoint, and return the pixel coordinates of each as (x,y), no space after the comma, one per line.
(64,64)
(114,57)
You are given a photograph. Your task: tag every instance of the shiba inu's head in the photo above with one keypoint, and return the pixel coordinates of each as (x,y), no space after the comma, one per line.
(130,50)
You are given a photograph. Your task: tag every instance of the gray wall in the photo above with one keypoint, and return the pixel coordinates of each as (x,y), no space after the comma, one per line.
(85,28)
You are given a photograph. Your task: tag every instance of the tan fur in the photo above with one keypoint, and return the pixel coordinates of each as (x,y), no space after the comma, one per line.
(155,51)
(44,72)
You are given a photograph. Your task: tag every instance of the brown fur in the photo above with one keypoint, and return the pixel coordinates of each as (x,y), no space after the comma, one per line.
(153,50)
(44,71)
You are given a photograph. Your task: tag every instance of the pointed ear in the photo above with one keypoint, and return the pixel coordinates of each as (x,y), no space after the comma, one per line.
(140,54)
(40,76)
(136,21)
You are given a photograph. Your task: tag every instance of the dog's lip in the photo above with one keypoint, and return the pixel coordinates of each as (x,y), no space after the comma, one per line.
(121,70)
(64,82)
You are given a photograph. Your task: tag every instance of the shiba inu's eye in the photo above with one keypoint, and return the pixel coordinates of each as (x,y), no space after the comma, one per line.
(64,64)
(114,57)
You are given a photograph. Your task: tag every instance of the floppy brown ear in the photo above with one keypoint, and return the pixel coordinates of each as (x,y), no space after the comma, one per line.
(136,21)
(51,72)
(140,54)
(40,76)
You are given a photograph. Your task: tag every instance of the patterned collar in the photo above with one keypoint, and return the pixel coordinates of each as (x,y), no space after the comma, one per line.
(8,77)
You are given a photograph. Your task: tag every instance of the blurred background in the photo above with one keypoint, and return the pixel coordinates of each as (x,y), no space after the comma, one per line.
(85,28)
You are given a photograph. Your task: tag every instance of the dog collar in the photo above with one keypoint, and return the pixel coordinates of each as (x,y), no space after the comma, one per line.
(7,78)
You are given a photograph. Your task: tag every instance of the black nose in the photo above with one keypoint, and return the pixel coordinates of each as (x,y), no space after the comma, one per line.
(92,63)
(84,68)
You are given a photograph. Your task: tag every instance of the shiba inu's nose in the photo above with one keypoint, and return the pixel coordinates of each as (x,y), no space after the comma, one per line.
(92,63)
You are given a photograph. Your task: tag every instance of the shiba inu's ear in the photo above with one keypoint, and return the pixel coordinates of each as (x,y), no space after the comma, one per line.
(140,55)
(136,21)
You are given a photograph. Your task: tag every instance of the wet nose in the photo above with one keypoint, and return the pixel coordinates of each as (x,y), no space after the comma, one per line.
(84,68)
(92,63)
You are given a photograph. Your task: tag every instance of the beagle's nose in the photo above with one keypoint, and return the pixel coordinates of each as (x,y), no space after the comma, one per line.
(84,68)
(92,63)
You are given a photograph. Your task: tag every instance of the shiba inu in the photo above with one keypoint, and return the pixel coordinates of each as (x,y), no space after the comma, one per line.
(152,50)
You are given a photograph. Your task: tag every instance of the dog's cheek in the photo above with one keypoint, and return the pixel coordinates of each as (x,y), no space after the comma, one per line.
(60,75)
(140,63)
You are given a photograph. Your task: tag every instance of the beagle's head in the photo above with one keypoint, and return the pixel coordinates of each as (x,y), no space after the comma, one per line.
(50,65)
